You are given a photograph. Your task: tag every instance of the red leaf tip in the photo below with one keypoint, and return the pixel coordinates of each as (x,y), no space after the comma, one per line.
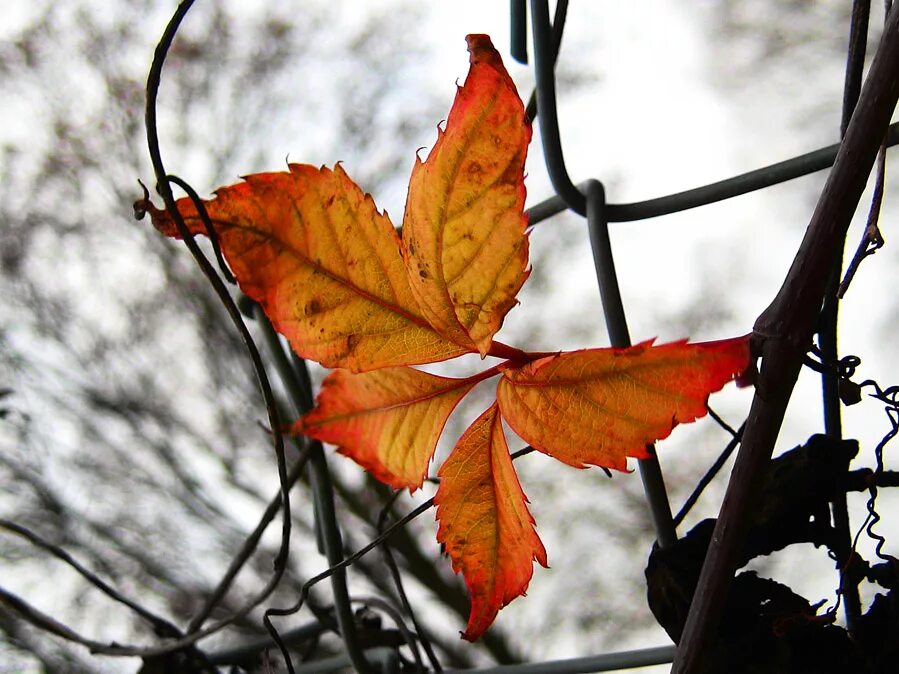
(482,50)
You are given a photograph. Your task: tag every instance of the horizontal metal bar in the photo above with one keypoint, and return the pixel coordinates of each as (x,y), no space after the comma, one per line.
(249,652)
(744,183)
(608,662)
(381,659)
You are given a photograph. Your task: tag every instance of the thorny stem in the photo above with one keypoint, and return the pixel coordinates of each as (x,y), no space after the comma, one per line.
(783,333)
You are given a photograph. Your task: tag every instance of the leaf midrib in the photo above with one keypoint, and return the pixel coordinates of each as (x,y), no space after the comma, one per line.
(275,241)
(455,384)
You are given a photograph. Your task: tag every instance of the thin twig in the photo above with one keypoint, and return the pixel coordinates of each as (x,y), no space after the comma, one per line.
(721,422)
(890,398)
(163,627)
(872,239)
(46,622)
(827,326)
(401,590)
(248,547)
(361,552)
(296,379)
(397,619)
(327,573)
(709,475)
(207,223)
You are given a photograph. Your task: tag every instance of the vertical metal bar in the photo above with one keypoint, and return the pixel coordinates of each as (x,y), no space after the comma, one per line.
(855,59)
(323,492)
(616,323)
(593,207)
(559,18)
(518,30)
(827,330)
(327,529)
(544,62)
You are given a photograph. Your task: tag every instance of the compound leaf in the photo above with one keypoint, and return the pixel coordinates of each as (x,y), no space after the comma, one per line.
(599,406)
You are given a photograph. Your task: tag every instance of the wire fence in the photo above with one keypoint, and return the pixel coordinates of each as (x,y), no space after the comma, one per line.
(587,199)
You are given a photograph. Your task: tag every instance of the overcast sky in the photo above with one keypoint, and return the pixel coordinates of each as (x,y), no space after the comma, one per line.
(651,102)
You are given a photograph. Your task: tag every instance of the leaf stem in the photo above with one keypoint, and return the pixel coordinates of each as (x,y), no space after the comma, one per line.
(515,355)
(486,374)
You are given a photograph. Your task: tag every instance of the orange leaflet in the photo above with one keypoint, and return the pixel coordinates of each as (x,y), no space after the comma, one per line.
(464,226)
(388,421)
(599,406)
(325,265)
(485,523)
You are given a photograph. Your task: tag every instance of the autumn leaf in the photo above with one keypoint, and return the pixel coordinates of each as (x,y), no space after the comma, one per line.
(334,277)
(484,521)
(325,265)
(388,421)
(464,225)
(599,406)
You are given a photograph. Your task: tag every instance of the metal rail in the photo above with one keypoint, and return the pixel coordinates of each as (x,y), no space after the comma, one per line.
(607,662)
(738,185)
(616,324)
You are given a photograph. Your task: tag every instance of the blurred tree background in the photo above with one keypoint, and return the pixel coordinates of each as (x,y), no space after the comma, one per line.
(131,423)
